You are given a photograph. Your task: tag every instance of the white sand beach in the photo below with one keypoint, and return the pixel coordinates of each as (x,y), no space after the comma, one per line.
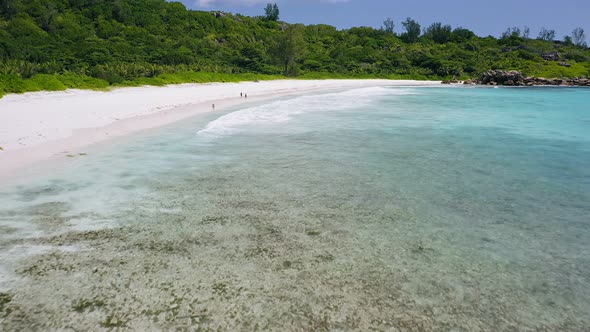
(40,125)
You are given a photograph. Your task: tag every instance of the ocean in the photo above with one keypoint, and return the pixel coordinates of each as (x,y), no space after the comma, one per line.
(385,208)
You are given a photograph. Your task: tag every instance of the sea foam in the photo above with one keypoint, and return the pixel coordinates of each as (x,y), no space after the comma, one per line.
(285,110)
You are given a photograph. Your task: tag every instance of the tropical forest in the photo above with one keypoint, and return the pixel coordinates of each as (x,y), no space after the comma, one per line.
(60,44)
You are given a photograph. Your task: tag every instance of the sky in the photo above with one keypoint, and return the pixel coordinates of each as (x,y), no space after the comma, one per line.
(484,17)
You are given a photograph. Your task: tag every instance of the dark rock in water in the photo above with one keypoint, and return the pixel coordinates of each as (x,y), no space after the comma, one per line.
(501,77)
(542,80)
(515,78)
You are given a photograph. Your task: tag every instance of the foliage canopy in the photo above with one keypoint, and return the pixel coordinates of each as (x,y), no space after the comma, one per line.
(272,12)
(56,44)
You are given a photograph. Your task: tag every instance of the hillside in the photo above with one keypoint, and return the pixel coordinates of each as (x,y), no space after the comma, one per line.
(57,44)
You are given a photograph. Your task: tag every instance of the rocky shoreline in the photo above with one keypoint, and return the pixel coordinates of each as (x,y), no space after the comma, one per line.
(516,78)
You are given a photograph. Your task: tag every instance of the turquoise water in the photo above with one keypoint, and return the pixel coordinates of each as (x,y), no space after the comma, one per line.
(402,209)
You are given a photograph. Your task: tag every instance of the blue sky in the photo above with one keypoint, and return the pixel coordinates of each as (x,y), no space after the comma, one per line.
(484,17)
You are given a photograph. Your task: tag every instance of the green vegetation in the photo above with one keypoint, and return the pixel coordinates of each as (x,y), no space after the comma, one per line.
(272,12)
(60,44)
(547,35)
(579,37)
(413,30)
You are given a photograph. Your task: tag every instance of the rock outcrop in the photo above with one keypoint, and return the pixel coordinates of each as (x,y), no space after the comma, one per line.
(515,78)
(551,56)
(501,77)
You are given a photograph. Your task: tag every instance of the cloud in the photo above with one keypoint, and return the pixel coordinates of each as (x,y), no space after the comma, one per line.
(209,3)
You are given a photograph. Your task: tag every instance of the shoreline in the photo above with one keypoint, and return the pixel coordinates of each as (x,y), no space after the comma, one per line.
(46,126)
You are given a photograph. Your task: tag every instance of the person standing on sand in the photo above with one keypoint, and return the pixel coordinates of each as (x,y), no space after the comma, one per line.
(213,106)
(246,95)
(241,95)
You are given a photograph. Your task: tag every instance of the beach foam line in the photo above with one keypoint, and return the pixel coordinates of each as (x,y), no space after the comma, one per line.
(284,110)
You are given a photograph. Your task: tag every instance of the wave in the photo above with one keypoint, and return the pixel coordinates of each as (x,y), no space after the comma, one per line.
(284,110)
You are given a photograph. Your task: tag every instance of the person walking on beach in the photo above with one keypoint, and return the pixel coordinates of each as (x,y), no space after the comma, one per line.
(213,106)
(246,95)
(241,95)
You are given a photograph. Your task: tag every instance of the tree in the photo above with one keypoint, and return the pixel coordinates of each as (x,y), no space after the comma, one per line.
(579,38)
(548,35)
(438,32)
(6,9)
(516,32)
(413,30)
(272,12)
(460,35)
(511,32)
(290,48)
(388,25)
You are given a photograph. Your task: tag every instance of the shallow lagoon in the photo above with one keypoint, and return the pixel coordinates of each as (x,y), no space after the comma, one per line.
(410,209)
